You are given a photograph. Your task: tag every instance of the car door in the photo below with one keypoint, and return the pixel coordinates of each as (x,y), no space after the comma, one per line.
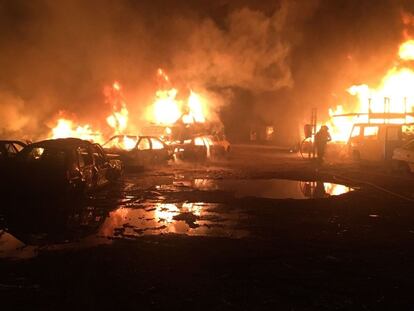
(159,152)
(101,165)
(372,144)
(86,167)
(141,154)
(393,140)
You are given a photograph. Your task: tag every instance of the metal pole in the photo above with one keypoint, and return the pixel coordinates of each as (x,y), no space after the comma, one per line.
(369,110)
(313,123)
(405,109)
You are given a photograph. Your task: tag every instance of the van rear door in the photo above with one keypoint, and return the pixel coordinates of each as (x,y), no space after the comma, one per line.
(372,144)
(393,139)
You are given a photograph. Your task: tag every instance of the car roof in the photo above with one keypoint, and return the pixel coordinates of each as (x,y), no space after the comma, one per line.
(382,124)
(123,135)
(63,143)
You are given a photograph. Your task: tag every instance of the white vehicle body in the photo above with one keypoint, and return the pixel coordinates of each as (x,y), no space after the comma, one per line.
(403,157)
(374,142)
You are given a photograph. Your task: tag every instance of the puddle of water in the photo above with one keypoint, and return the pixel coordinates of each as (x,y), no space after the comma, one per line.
(132,211)
(273,188)
(91,226)
(179,218)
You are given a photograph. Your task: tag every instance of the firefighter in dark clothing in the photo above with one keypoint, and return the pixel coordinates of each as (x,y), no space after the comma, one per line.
(321,139)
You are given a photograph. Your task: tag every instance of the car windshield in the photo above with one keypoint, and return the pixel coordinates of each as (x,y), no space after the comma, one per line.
(125,142)
(156,144)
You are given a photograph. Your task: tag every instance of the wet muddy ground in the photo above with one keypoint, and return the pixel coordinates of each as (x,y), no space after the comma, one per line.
(259,230)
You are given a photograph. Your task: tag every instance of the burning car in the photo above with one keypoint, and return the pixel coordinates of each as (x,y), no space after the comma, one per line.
(202,147)
(138,151)
(56,166)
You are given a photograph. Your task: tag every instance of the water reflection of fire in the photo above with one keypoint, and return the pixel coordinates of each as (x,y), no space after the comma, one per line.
(165,212)
(394,94)
(319,189)
(116,219)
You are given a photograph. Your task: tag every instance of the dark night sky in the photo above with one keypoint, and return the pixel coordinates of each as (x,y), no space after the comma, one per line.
(266,60)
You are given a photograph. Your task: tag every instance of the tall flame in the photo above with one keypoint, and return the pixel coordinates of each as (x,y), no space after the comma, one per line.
(118,120)
(167,109)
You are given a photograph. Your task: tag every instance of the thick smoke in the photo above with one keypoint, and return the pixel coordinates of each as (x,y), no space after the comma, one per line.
(250,53)
(58,55)
(268,61)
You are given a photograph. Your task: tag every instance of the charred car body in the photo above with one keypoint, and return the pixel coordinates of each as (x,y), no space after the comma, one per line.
(138,151)
(202,147)
(62,166)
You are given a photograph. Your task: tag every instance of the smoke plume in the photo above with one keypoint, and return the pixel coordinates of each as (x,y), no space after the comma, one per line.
(265,61)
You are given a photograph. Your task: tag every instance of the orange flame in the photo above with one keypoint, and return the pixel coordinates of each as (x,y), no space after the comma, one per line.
(118,120)
(406,51)
(167,109)
(66,128)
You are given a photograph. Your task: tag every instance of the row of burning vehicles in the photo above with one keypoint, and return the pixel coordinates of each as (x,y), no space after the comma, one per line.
(79,166)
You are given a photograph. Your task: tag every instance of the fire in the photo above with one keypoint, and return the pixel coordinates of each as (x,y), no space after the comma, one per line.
(195,109)
(406,51)
(118,120)
(66,128)
(394,94)
(340,127)
(168,109)
(129,143)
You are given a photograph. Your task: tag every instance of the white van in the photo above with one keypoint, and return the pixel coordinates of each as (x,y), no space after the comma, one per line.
(375,142)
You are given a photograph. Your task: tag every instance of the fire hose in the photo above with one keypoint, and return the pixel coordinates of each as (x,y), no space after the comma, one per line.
(370,184)
(301,146)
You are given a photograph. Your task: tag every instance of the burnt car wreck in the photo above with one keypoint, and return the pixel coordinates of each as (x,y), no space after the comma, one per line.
(138,151)
(68,166)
